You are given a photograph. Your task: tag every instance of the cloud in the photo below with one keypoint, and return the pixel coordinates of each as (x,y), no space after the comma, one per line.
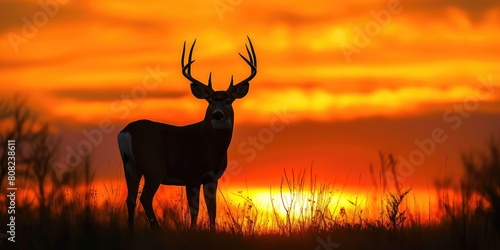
(12,12)
(76,12)
(85,94)
(474,9)
(90,45)
(318,104)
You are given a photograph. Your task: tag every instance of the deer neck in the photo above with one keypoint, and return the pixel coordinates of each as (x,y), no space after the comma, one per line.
(218,138)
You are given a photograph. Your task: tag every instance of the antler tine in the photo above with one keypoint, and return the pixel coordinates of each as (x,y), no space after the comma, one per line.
(251,61)
(191,56)
(210,80)
(186,68)
(182,56)
(251,55)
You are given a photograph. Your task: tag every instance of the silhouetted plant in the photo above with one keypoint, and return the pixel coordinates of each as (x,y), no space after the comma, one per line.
(396,215)
(36,148)
(19,123)
(39,157)
(482,177)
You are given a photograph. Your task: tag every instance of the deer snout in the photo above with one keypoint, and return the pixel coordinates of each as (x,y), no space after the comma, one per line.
(218,115)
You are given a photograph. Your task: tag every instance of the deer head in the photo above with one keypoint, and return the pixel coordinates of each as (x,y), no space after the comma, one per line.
(220,109)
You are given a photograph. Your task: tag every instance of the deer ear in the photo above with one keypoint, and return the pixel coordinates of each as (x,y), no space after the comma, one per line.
(240,90)
(199,91)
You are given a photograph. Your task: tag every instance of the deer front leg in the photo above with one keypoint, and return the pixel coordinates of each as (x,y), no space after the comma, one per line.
(193,196)
(210,194)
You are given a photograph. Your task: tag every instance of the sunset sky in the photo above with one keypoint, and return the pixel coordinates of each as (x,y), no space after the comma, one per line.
(337,81)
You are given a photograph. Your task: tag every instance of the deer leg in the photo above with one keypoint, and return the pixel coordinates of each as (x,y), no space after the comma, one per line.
(150,187)
(210,194)
(193,197)
(133,187)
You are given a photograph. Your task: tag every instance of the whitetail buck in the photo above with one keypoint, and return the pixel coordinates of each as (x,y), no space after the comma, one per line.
(191,155)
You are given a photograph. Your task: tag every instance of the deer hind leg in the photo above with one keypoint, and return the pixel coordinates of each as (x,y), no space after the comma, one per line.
(150,187)
(193,197)
(132,175)
(210,194)
(133,188)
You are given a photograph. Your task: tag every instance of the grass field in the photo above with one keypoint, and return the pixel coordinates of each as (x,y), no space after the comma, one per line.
(300,214)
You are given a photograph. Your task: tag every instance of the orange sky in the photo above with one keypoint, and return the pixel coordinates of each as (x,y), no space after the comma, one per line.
(355,77)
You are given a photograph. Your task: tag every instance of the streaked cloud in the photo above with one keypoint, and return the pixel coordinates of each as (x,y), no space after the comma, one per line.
(111,94)
(91,53)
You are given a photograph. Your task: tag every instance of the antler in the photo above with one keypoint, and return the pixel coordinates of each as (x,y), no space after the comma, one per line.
(251,61)
(186,69)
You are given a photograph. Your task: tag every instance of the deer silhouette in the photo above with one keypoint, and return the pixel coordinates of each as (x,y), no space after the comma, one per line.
(194,155)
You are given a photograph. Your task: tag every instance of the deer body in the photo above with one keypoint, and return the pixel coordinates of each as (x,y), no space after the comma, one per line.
(194,155)
(170,156)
